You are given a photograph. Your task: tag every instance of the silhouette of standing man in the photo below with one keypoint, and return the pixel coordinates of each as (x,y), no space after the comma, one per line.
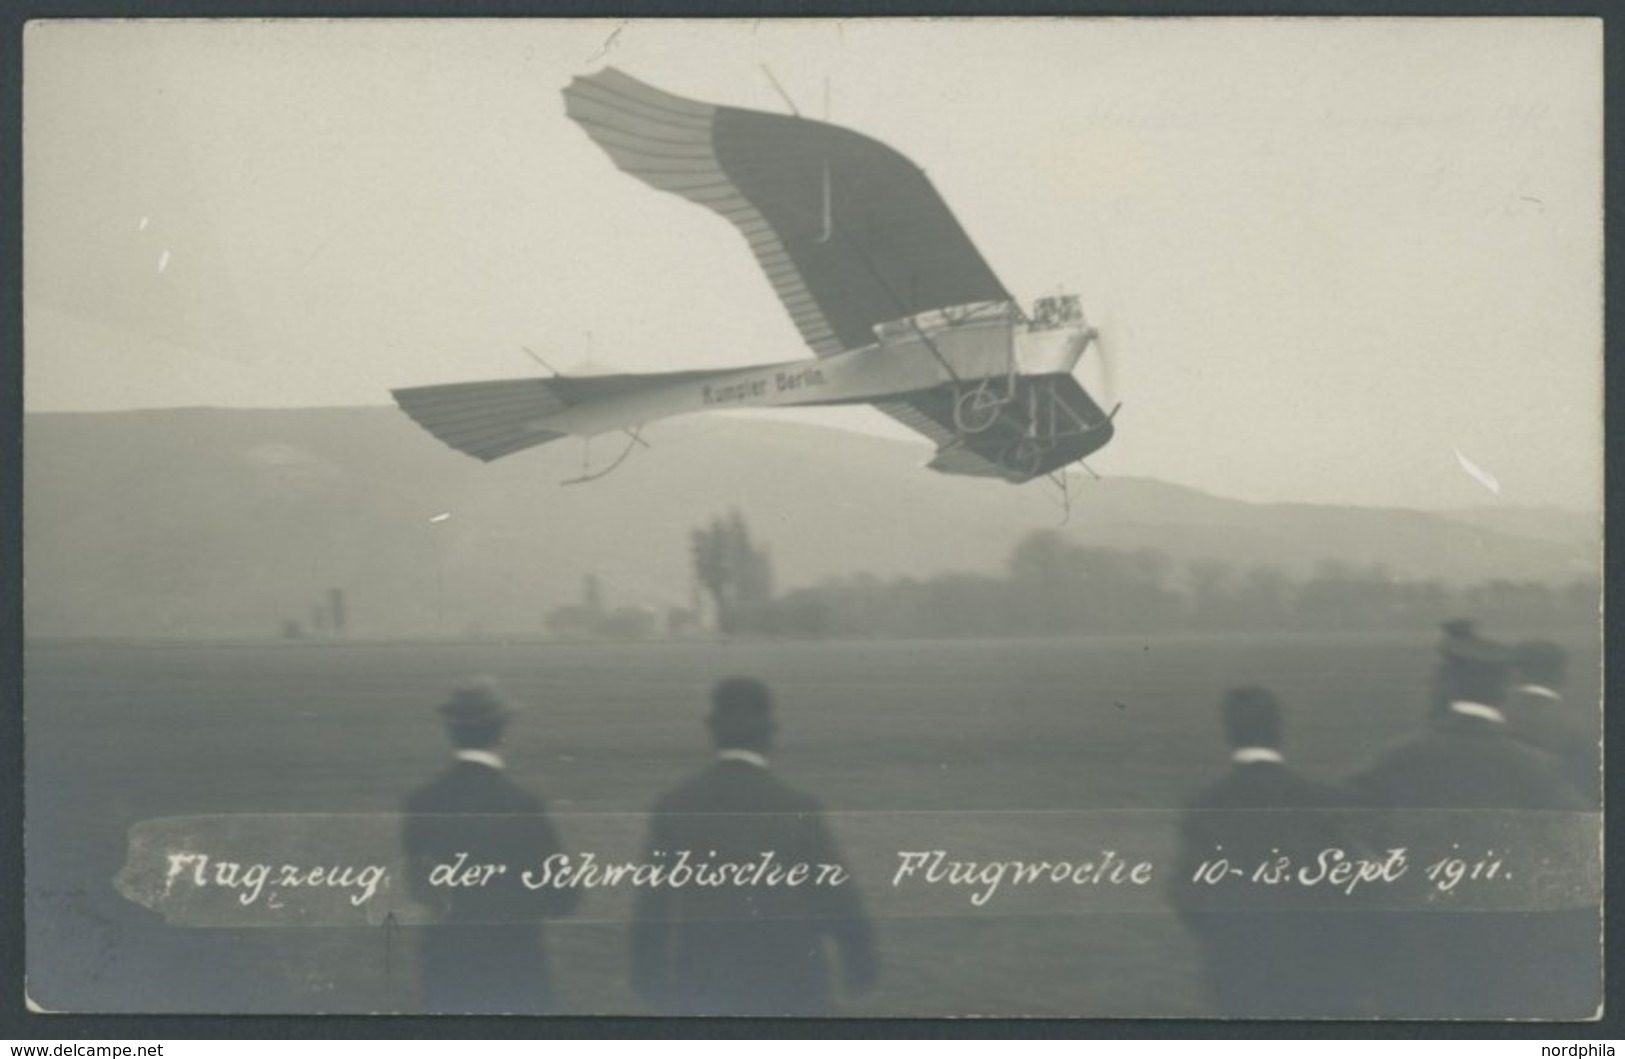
(1265,952)
(484,953)
(1479,964)
(744,949)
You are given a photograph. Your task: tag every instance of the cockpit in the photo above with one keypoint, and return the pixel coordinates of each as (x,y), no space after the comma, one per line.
(1055,311)
(1050,313)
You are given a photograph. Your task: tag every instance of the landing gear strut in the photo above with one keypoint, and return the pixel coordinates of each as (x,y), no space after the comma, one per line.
(1021,460)
(976,410)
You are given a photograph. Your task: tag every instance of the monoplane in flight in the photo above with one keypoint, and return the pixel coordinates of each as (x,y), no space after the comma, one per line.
(882,282)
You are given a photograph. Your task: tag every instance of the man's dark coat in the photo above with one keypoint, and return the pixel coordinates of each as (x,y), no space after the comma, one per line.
(1480,964)
(753,949)
(485,951)
(1267,950)
(1548,723)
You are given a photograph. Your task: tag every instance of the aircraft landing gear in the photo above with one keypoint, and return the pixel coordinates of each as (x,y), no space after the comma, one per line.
(977,410)
(1020,461)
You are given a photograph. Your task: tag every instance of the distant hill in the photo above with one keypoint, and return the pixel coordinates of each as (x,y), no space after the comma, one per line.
(1572,529)
(206,522)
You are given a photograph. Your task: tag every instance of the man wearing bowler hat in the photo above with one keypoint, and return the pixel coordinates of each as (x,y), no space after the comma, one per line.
(470,834)
(1478,963)
(750,946)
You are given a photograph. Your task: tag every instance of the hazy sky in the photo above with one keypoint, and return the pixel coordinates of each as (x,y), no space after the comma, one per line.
(1329,256)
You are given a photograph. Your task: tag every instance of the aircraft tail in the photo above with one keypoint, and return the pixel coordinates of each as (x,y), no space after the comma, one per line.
(486,420)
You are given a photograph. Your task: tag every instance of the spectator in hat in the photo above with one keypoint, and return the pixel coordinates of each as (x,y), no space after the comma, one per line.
(1538,715)
(1268,950)
(1476,964)
(754,948)
(484,951)
(1467,758)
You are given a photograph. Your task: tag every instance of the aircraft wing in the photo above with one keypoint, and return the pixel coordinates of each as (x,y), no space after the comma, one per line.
(850,233)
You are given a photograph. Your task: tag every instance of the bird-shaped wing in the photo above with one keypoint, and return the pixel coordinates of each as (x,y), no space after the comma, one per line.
(850,233)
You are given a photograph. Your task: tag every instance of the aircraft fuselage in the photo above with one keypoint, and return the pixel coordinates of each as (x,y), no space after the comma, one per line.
(907,357)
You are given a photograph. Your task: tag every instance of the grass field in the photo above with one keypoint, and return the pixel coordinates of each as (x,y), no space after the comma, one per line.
(117,733)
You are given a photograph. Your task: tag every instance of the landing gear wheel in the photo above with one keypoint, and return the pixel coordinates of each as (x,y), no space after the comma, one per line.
(1021,460)
(976,410)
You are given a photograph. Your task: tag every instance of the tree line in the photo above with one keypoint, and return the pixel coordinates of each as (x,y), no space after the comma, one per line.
(1054,586)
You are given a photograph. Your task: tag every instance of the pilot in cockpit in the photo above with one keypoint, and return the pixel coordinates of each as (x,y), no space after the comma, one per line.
(1056,311)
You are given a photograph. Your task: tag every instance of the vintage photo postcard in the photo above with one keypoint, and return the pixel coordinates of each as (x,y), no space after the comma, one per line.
(1007,517)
